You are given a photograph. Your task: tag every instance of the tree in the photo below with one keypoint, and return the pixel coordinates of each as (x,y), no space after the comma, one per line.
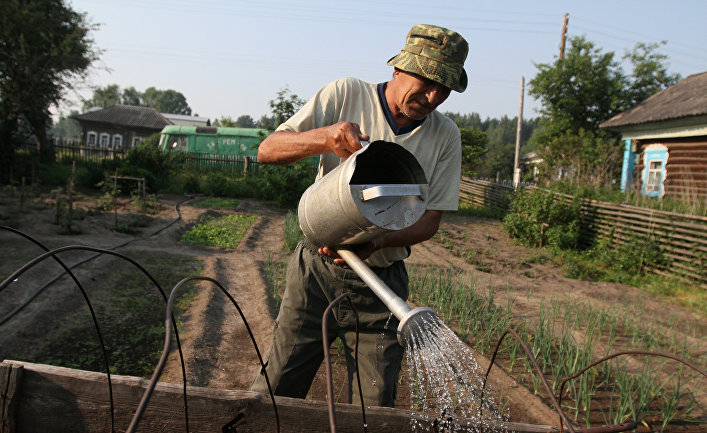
(171,101)
(266,122)
(285,105)
(650,74)
(245,121)
(130,96)
(473,147)
(224,121)
(66,127)
(580,91)
(103,97)
(45,46)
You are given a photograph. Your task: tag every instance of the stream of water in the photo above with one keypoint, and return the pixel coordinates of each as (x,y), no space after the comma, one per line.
(446,382)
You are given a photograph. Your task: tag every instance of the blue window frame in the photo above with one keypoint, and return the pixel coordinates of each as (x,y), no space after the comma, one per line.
(654,172)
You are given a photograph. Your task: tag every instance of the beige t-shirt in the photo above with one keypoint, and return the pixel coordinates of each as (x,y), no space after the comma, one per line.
(436,143)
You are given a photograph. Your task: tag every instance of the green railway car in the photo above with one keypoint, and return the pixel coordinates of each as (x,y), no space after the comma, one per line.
(220,141)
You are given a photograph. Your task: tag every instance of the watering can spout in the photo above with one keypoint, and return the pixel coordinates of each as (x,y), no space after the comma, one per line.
(409,318)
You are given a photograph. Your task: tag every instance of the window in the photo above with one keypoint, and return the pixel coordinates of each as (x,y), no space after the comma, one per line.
(655,177)
(117,141)
(655,160)
(105,140)
(91,138)
(136,141)
(178,142)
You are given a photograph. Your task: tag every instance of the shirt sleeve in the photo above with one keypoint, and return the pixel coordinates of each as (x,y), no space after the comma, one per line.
(444,182)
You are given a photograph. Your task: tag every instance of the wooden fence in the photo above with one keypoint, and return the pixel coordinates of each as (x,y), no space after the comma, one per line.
(682,238)
(485,193)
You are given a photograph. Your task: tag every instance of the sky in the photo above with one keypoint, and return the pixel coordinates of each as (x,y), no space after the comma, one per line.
(230,58)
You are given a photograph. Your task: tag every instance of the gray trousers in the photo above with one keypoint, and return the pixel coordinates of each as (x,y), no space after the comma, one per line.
(296,352)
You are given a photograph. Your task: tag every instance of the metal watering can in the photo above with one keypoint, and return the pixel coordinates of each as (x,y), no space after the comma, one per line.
(378,189)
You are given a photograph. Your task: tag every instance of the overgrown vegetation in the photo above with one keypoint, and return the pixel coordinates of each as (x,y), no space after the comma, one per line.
(538,219)
(225,232)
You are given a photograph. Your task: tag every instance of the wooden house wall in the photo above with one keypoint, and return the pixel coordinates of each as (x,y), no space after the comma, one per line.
(686,168)
(128,133)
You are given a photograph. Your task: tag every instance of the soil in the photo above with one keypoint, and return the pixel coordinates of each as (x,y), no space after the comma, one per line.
(215,342)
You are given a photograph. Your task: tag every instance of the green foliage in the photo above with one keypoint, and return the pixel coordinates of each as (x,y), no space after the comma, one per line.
(148,161)
(474,143)
(285,105)
(579,92)
(285,185)
(538,219)
(649,75)
(225,232)
(103,97)
(468,209)
(224,121)
(45,48)
(245,121)
(164,101)
(293,233)
(217,202)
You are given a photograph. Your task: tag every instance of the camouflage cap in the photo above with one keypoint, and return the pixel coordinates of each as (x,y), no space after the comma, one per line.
(435,53)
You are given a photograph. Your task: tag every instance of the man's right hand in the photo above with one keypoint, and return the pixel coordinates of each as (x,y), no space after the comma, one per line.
(344,138)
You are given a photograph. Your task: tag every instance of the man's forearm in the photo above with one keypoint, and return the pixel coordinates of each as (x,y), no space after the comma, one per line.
(286,147)
(422,230)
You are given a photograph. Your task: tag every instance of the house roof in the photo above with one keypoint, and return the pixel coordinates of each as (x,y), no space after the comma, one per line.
(184,119)
(127,115)
(686,98)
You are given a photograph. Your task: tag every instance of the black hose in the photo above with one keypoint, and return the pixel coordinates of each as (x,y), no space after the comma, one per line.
(93,316)
(169,325)
(51,253)
(20,307)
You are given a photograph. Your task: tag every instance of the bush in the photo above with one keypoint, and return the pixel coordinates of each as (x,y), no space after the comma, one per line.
(285,184)
(539,219)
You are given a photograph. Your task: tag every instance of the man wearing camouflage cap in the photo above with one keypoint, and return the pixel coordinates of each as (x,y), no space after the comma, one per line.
(332,124)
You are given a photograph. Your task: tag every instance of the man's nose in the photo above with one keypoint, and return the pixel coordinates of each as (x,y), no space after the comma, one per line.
(436,94)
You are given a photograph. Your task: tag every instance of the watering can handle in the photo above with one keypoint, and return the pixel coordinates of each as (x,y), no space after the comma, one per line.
(396,190)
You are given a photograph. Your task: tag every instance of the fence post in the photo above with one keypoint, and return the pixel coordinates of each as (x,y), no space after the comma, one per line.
(245,165)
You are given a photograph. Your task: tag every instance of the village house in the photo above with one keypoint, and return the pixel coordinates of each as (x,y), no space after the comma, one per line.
(665,140)
(120,127)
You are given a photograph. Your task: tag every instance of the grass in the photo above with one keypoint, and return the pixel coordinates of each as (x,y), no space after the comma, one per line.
(225,232)
(293,233)
(468,209)
(218,202)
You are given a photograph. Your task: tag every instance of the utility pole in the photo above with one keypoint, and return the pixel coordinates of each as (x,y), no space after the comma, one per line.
(516,163)
(564,35)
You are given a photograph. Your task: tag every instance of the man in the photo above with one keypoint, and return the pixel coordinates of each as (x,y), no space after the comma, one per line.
(333,124)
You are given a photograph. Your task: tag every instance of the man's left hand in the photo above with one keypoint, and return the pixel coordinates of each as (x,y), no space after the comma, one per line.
(364,251)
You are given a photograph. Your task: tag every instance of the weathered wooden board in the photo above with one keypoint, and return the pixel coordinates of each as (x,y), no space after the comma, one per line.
(41,398)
